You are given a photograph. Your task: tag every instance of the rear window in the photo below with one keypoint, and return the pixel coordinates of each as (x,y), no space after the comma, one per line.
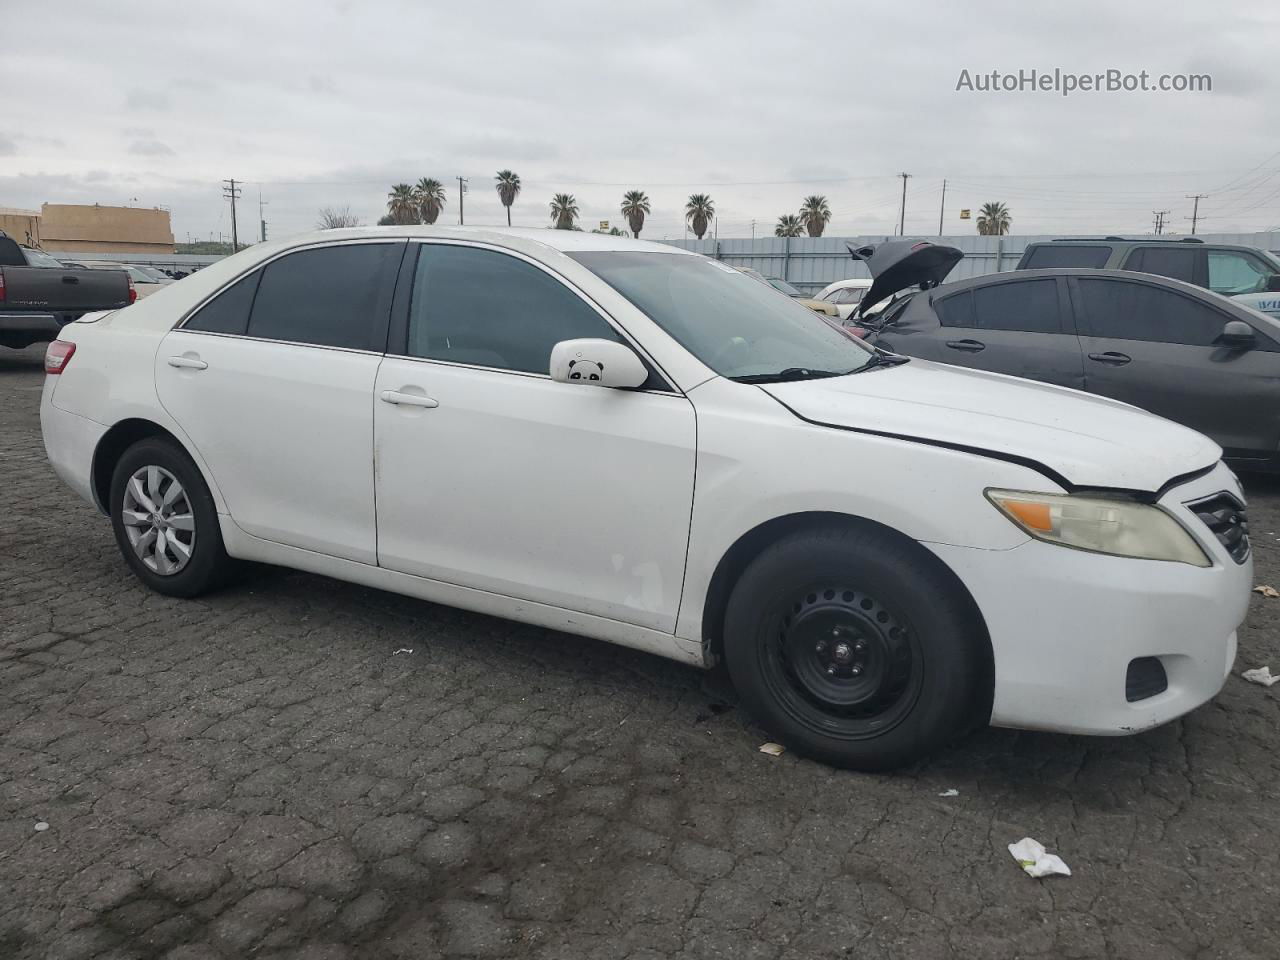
(1066,255)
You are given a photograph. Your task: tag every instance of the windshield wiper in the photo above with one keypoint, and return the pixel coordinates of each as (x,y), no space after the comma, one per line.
(883,359)
(789,374)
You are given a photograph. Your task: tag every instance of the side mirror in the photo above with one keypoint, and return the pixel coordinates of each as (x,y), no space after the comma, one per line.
(597,363)
(1236,333)
(1273,283)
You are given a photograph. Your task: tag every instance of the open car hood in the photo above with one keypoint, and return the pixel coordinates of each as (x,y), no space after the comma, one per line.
(898,264)
(1085,440)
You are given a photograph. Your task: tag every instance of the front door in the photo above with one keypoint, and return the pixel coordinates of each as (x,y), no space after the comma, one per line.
(1158,349)
(493,476)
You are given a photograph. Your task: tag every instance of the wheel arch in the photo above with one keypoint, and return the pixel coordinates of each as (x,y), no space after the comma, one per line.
(112,446)
(750,545)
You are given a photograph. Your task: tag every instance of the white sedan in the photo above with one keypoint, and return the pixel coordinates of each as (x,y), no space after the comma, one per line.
(635,443)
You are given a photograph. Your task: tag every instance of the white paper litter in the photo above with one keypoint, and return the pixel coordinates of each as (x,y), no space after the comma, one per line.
(1031,856)
(1267,591)
(953,792)
(403,650)
(772,749)
(41,827)
(1261,675)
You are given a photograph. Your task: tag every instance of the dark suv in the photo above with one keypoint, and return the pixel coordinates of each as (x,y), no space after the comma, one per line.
(1221,267)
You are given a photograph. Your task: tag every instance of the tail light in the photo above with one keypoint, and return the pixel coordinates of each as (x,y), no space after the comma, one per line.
(133,292)
(1,284)
(58,356)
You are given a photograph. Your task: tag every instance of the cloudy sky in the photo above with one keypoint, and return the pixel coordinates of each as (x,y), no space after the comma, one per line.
(318,103)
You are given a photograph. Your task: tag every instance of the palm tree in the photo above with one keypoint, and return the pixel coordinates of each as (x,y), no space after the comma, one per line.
(994,220)
(508,187)
(634,206)
(564,210)
(431,198)
(815,214)
(789,225)
(699,211)
(402,204)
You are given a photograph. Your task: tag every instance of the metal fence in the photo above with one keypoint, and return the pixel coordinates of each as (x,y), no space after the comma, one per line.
(810,263)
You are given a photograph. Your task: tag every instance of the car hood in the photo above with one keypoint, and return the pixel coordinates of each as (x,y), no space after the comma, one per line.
(1087,441)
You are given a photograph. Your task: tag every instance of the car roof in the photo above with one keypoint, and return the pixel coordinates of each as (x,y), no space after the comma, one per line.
(1141,241)
(566,241)
(1087,273)
(851,282)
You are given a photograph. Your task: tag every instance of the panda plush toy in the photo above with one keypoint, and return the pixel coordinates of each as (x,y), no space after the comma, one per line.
(584,370)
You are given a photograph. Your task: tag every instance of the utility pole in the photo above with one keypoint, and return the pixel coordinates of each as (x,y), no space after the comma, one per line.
(232,193)
(943,208)
(1195,210)
(262,220)
(462,188)
(902,216)
(753,229)
(1159,221)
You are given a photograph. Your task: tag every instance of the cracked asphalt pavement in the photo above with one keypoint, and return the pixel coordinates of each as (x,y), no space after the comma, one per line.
(261,773)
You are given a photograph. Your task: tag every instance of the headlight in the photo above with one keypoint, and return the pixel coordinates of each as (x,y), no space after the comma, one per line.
(1118,527)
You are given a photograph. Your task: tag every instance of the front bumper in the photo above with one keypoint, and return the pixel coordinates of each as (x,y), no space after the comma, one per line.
(1065,625)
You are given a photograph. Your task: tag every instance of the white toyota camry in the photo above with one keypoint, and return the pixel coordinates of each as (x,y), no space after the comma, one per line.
(639,444)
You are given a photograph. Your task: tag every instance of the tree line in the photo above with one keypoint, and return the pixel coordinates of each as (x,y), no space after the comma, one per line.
(424,201)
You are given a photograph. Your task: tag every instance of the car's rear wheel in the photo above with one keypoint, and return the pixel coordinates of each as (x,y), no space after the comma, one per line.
(165,521)
(855,647)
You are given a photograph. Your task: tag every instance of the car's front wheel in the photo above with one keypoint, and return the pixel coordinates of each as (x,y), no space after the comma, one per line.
(855,647)
(165,521)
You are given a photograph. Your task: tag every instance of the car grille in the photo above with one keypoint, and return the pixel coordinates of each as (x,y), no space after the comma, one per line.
(1144,678)
(1225,517)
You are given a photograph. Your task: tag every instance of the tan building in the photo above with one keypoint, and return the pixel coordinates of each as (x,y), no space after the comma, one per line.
(71,228)
(22,225)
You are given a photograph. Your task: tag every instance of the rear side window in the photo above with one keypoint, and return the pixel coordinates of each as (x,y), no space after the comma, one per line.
(489,309)
(1176,262)
(1066,255)
(228,312)
(1029,306)
(329,296)
(1124,310)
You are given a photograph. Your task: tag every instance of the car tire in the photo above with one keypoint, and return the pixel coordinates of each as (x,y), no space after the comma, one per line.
(856,647)
(165,521)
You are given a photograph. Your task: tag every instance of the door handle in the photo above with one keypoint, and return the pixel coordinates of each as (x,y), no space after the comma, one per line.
(188,363)
(1111,357)
(70,279)
(408,399)
(969,346)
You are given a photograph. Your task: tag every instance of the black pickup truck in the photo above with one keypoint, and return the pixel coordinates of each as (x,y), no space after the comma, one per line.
(38,295)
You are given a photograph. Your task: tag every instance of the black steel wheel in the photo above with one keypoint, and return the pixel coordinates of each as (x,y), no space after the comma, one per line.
(855,646)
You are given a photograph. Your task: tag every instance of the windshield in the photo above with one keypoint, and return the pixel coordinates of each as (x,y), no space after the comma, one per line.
(737,326)
(38,258)
(783,287)
(152,272)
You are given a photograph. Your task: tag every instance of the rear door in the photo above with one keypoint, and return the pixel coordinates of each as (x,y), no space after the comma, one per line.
(1017,326)
(273,379)
(1156,347)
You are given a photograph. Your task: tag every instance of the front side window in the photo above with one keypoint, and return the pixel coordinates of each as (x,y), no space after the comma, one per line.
(327,296)
(228,312)
(490,309)
(1232,273)
(1124,310)
(730,322)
